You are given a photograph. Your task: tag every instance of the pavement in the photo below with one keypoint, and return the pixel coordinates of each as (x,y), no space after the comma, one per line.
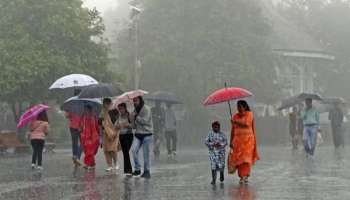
(280,174)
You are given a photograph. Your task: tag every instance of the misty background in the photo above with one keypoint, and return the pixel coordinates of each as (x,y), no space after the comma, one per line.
(187,47)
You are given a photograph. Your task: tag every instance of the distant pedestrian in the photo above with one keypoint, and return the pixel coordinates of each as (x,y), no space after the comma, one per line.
(293,127)
(126,136)
(243,144)
(311,121)
(170,130)
(143,125)
(158,117)
(39,129)
(336,116)
(216,142)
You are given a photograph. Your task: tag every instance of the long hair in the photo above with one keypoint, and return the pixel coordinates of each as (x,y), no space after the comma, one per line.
(123,105)
(139,107)
(244,104)
(107,101)
(43,116)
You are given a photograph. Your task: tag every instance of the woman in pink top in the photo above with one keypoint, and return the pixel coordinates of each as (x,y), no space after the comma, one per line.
(38,131)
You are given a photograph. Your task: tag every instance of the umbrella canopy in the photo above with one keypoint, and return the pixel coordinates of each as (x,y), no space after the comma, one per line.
(128,96)
(304,96)
(76,105)
(73,81)
(166,97)
(289,102)
(226,95)
(100,90)
(298,99)
(333,100)
(31,115)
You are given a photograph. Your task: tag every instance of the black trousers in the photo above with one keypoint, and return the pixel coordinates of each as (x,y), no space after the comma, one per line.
(38,146)
(171,140)
(126,143)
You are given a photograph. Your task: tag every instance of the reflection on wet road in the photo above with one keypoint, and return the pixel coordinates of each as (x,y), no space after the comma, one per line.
(281,174)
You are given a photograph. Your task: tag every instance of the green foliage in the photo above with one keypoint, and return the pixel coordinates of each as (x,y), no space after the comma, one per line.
(328,22)
(194,47)
(41,40)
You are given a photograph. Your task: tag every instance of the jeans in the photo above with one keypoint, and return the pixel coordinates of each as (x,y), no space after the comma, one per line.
(38,146)
(76,147)
(126,143)
(310,138)
(145,143)
(171,140)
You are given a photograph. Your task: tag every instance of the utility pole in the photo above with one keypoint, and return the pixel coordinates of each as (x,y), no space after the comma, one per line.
(134,16)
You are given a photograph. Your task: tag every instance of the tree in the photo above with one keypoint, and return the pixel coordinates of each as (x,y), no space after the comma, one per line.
(41,40)
(193,47)
(327,22)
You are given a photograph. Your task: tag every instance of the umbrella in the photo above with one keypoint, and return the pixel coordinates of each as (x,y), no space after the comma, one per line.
(227,95)
(76,105)
(298,99)
(128,96)
(289,102)
(31,114)
(304,96)
(166,97)
(333,100)
(73,81)
(100,90)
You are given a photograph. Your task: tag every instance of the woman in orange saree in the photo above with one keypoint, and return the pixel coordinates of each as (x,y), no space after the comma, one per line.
(243,153)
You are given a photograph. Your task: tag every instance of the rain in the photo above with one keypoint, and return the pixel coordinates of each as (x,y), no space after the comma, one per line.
(164,99)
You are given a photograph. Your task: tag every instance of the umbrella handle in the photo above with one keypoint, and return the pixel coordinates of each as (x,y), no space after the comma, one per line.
(229,104)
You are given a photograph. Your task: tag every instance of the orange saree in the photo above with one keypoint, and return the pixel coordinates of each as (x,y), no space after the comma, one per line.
(244,152)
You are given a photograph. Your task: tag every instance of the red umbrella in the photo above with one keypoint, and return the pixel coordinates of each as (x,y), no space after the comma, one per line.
(227,95)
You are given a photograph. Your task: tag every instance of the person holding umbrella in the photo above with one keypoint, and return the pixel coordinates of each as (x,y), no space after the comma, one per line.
(110,135)
(36,116)
(126,136)
(90,139)
(170,130)
(143,125)
(311,121)
(158,117)
(38,131)
(244,153)
(336,116)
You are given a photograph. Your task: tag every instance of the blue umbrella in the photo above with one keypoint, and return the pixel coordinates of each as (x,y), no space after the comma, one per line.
(76,105)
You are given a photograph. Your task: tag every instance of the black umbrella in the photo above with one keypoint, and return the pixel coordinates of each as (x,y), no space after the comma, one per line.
(298,99)
(333,100)
(304,96)
(100,90)
(166,97)
(289,102)
(77,106)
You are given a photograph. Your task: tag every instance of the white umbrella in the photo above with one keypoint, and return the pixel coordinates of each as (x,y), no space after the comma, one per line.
(128,96)
(73,81)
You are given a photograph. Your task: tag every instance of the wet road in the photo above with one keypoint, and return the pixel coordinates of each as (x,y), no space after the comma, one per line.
(281,174)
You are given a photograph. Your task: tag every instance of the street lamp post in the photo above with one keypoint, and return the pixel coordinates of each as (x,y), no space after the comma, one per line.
(134,16)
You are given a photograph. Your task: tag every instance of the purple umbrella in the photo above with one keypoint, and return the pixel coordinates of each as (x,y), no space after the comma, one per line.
(31,115)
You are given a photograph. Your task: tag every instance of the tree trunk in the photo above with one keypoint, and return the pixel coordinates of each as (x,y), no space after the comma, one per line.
(17,110)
